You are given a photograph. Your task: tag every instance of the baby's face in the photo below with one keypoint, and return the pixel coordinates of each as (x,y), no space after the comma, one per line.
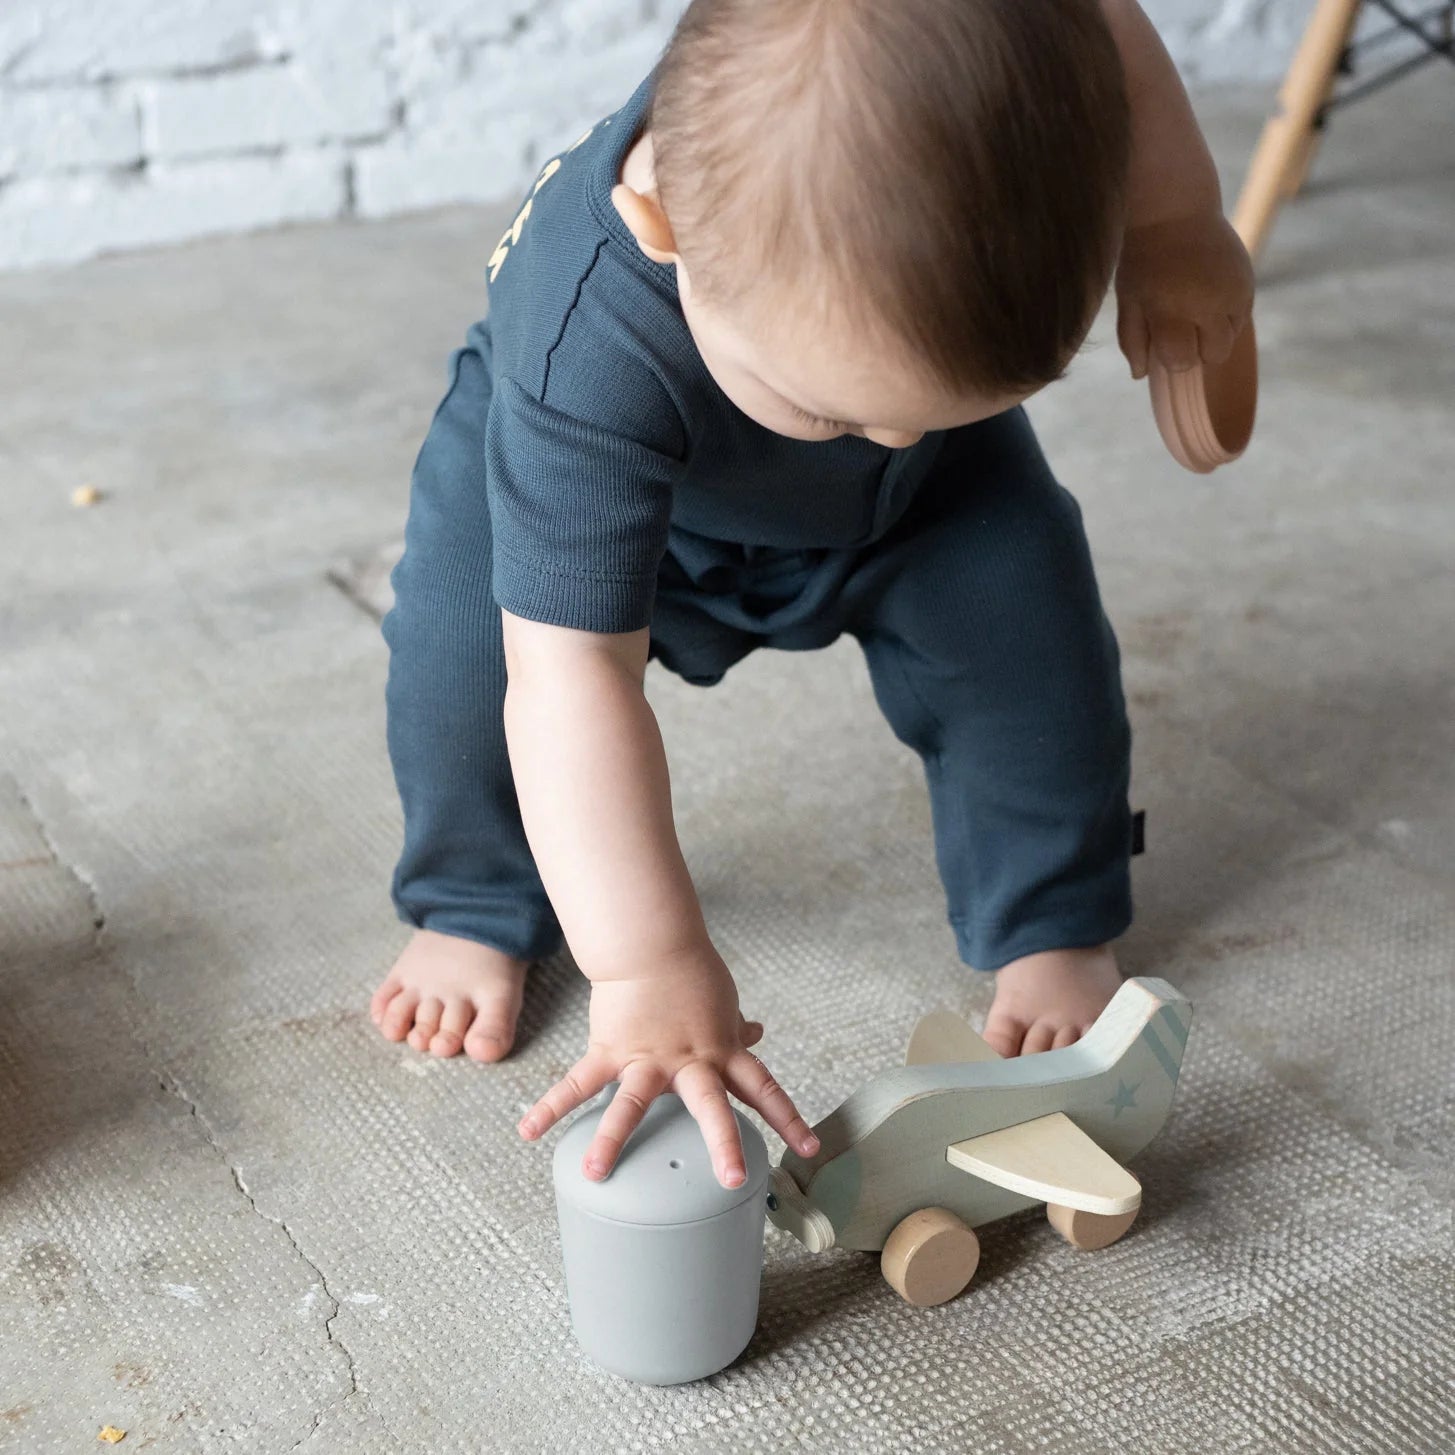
(822,382)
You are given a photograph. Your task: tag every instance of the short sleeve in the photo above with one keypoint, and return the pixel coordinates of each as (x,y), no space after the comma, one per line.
(579,516)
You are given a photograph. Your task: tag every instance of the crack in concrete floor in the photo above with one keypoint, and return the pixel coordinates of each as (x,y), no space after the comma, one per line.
(169,1083)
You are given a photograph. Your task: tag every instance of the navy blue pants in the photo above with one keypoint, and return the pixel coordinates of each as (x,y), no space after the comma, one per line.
(986,643)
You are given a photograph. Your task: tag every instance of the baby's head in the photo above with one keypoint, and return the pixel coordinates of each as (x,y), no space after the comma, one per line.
(888,216)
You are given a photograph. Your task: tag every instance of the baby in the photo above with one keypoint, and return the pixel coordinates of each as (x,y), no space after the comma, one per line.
(751,376)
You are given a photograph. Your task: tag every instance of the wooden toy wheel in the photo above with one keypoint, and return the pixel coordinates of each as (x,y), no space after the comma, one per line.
(1088,1230)
(929,1257)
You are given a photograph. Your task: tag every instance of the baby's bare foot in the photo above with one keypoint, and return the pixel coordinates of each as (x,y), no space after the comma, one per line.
(447,995)
(1049,1000)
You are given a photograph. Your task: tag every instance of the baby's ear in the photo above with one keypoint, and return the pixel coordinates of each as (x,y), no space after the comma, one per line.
(647,223)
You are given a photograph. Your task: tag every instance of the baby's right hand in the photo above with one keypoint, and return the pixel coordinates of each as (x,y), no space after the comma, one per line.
(674,1027)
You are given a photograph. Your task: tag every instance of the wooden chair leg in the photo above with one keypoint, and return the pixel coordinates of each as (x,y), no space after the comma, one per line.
(1303,163)
(1293,183)
(1285,150)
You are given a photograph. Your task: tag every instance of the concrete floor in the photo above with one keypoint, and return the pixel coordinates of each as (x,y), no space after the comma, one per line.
(231,1217)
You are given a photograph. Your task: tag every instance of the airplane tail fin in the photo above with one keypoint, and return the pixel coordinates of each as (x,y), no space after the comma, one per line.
(1136,1046)
(1150,1012)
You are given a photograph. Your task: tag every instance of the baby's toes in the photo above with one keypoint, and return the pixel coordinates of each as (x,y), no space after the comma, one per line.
(426,1022)
(1066,1036)
(450,1037)
(490,1037)
(1038,1038)
(399,1015)
(1004,1034)
(381,998)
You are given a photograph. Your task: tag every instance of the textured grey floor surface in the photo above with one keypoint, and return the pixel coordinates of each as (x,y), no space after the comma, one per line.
(231,1217)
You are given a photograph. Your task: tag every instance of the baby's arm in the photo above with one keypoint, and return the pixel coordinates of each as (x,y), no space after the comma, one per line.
(591,776)
(1172,172)
(1185,284)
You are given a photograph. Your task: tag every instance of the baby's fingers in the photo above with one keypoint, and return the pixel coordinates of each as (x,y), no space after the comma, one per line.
(1174,342)
(1215,338)
(753,1084)
(640,1086)
(703,1094)
(574,1089)
(1132,336)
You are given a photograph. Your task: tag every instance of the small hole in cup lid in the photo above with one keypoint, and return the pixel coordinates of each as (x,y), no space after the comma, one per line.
(674,1163)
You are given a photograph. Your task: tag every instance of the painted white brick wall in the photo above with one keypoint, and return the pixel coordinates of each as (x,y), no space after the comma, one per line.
(126,123)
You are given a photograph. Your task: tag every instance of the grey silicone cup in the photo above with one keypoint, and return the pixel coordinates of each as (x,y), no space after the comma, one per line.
(662,1264)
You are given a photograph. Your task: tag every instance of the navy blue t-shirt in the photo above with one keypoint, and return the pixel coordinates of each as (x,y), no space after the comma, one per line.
(606,431)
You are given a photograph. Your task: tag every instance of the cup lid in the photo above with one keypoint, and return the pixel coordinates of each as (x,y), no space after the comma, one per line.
(664,1175)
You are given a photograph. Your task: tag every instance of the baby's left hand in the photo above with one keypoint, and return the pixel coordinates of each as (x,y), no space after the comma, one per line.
(1184,291)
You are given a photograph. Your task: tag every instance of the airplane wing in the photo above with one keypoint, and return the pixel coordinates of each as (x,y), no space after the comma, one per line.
(943,1036)
(1052,1160)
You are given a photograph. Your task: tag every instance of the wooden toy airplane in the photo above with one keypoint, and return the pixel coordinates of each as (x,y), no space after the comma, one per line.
(958,1136)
